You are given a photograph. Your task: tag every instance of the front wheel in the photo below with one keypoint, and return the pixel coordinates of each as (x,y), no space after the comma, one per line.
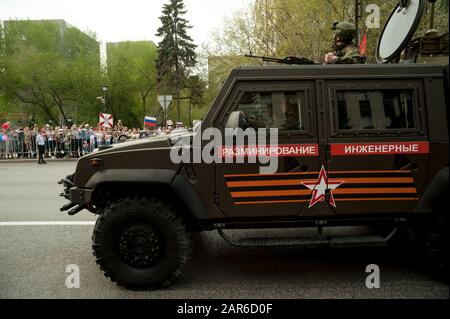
(141,243)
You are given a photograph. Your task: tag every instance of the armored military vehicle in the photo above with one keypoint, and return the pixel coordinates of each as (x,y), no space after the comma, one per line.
(358,145)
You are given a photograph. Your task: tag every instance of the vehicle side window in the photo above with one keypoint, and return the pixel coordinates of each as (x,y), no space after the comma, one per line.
(375,110)
(283,110)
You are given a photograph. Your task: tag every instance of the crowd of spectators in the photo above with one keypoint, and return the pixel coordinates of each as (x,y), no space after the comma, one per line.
(18,141)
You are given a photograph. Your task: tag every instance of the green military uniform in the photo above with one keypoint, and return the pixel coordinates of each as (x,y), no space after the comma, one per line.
(345,50)
(348,55)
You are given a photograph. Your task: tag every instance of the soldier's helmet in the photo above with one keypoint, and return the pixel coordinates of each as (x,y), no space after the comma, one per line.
(344,30)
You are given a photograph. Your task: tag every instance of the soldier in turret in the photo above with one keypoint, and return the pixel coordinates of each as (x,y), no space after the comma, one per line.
(345,51)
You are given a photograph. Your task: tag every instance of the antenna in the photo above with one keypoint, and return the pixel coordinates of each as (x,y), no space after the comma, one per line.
(432,10)
(358,16)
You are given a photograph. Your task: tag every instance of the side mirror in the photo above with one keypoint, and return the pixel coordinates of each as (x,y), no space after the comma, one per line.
(236,120)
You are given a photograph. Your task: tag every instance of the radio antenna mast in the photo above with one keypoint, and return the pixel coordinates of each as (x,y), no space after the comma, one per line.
(358,16)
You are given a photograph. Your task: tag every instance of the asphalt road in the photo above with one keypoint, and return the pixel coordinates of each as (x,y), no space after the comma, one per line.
(33,258)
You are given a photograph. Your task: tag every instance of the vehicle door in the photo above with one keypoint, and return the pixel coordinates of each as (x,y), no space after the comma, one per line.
(242,189)
(377,145)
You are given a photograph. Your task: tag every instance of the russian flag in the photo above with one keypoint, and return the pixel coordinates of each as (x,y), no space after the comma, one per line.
(150,121)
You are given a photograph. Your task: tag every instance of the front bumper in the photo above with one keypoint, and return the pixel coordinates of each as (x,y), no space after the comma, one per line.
(79,197)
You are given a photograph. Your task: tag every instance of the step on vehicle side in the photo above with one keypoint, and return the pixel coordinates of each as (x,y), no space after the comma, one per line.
(361,145)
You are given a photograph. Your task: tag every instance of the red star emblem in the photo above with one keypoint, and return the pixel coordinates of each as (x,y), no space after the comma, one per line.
(320,186)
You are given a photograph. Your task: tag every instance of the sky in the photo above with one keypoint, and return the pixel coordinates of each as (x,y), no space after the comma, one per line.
(122,20)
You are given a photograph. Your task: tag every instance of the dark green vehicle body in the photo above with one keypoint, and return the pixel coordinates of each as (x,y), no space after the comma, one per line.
(145,166)
(377,134)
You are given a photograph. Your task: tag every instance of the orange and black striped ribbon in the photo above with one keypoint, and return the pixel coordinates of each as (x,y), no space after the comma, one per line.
(288,188)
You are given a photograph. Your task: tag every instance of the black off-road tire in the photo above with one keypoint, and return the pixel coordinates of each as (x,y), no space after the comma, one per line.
(141,243)
(437,248)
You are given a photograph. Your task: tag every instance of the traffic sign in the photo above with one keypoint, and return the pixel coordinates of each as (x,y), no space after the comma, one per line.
(165,101)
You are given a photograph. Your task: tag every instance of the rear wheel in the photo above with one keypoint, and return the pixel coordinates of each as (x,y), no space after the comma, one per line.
(141,243)
(437,248)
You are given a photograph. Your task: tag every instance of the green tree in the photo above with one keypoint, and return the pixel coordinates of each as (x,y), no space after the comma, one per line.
(132,81)
(194,93)
(297,28)
(121,101)
(51,68)
(176,51)
(144,68)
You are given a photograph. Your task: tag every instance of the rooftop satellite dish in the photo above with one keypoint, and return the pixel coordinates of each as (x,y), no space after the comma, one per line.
(399,29)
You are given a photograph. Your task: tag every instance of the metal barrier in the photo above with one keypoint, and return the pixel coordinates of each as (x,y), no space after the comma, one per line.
(22,144)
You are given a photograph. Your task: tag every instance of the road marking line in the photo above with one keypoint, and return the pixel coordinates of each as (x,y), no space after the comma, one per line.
(47,223)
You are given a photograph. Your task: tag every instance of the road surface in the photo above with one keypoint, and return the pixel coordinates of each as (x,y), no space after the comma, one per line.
(37,243)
